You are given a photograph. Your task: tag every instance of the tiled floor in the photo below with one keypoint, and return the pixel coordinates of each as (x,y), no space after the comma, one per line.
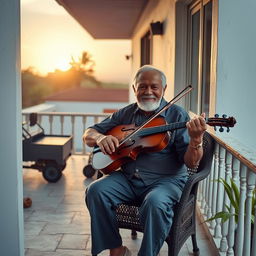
(57,223)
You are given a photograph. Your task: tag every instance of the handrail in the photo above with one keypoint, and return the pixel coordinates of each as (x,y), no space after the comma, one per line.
(234,152)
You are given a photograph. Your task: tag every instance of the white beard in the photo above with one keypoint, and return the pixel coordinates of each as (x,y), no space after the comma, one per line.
(149,106)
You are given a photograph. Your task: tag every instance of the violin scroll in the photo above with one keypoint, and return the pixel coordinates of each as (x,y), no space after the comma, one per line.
(223,121)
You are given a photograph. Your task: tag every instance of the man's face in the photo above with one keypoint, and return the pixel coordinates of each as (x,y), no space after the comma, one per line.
(149,90)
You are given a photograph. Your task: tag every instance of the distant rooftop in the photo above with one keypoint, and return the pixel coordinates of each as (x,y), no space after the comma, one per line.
(91,95)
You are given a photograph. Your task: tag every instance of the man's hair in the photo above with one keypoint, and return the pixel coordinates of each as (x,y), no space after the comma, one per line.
(150,68)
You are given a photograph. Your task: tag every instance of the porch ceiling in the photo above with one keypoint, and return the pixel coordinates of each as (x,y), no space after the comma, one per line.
(106,19)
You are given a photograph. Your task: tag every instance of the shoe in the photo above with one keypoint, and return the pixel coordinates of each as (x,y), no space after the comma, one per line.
(127,252)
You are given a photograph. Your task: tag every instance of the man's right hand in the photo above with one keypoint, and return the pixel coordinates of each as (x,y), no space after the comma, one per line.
(107,143)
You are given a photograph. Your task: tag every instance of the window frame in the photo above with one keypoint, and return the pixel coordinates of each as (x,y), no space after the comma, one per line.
(192,8)
(146,54)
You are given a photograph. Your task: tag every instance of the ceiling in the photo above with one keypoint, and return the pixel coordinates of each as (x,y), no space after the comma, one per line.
(106,19)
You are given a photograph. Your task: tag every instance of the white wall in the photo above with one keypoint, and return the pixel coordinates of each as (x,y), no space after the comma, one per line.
(236,67)
(11,190)
(163,45)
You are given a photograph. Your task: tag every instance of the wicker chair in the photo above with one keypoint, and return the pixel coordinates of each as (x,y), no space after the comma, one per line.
(185,211)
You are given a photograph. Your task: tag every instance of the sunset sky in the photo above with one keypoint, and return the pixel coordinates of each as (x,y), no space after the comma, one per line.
(50,36)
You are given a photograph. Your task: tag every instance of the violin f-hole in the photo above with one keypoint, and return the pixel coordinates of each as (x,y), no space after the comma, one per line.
(132,142)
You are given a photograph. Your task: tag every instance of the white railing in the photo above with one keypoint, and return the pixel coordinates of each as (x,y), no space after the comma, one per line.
(63,123)
(236,236)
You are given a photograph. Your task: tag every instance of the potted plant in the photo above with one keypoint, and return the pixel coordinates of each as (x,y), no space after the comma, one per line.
(233,194)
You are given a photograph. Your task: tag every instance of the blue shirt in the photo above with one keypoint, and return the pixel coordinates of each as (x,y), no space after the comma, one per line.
(154,165)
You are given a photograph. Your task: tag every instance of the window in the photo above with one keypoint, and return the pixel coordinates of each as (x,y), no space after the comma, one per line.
(199,55)
(146,49)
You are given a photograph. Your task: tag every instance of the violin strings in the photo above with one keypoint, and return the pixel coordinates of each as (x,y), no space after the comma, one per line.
(180,95)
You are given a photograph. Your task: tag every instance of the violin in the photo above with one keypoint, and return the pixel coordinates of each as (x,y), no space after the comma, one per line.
(154,136)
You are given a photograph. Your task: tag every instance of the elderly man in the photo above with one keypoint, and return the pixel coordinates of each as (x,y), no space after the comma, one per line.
(156,179)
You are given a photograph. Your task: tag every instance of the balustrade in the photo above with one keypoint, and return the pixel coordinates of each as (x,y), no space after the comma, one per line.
(237,235)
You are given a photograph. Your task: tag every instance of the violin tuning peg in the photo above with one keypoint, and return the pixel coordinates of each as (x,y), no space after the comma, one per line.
(228,129)
(216,115)
(221,129)
(224,116)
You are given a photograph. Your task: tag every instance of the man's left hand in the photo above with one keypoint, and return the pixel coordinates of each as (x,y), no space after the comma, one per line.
(196,128)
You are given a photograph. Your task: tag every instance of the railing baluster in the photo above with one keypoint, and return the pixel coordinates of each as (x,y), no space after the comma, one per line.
(84,120)
(61,125)
(50,122)
(226,201)
(215,185)
(73,133)
(231,226)
(96,119)
(210,194)
(205,196)
(248,212)
(219,202)
(254,233)
(240,224)
(199,196)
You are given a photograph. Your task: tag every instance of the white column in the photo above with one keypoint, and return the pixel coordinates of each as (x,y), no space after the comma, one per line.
(11,190)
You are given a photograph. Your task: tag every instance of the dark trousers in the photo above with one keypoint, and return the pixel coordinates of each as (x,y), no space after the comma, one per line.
(158,199)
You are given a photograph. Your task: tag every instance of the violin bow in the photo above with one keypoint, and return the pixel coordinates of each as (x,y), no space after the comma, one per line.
(180,95)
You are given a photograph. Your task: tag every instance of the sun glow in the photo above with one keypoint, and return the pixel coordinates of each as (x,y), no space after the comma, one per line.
(50,37)
(62,65)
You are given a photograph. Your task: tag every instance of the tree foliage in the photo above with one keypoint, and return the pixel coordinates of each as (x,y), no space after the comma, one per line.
(35,88)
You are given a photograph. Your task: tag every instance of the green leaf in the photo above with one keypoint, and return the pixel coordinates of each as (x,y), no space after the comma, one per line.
(236,193)
(228,190)
(224,216)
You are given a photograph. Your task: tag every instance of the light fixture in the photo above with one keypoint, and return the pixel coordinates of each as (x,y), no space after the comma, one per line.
(156,28)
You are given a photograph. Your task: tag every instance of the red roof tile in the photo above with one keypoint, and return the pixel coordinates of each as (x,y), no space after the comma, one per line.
(91,95)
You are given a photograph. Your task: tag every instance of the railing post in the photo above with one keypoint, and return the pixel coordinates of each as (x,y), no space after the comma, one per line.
(73,133)
(215,185)
(62,125)
(254,233)
(84,120)
(240,224)
(206,189)
(210,193)
(226,201)
(50,122)
(248,212)
(219,201)
(231,226)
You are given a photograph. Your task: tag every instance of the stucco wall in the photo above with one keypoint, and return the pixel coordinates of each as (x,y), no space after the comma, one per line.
(163,45)
(236,67)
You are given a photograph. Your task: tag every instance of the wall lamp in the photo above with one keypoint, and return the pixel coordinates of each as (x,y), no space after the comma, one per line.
(156,28)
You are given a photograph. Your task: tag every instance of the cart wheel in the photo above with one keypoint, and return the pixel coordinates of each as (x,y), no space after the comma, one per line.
(62,167)
(88,171)
(51,173)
